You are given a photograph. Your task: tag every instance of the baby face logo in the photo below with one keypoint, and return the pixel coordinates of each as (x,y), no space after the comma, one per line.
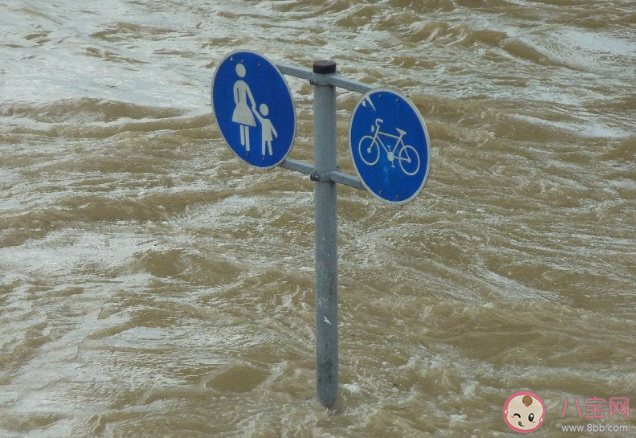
(524,412)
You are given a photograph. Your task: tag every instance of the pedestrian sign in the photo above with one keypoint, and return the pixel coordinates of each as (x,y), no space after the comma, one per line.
(389,146)
(254,109)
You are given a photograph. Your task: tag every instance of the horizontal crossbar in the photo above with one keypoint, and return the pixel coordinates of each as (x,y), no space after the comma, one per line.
(336,81)
(335,176)
(333,79)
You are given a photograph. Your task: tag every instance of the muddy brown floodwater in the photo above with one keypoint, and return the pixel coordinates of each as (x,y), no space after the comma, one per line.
(151,285)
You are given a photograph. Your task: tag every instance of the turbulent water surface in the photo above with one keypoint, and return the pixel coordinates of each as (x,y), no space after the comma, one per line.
(152,285)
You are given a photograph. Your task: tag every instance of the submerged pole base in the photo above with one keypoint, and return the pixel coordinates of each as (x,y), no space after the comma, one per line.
(327,388)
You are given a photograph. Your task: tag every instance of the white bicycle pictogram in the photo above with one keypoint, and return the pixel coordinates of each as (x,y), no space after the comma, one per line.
(406,155)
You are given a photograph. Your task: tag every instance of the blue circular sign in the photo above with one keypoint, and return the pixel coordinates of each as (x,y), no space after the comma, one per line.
(389,146)
(254,109)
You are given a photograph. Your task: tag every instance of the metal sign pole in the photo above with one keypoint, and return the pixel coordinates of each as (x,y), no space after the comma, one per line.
(326,234)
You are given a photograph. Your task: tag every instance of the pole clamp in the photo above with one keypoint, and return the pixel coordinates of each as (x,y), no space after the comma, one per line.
(322,79)
(320,176)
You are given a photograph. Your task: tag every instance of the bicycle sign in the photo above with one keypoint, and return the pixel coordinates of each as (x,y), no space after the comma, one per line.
(389,146)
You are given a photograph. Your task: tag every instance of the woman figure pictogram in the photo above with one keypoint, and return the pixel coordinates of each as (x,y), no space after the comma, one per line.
(242,113)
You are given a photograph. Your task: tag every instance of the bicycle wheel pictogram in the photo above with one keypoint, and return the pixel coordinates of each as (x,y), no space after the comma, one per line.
(369,150)
(409,160)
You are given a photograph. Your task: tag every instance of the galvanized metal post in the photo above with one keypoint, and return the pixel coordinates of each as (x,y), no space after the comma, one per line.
(326,234)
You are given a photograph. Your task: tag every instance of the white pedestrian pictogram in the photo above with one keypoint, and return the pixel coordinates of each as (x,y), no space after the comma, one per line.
(242,113)
(244,116)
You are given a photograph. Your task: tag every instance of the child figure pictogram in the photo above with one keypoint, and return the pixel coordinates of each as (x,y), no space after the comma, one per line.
(268,132)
